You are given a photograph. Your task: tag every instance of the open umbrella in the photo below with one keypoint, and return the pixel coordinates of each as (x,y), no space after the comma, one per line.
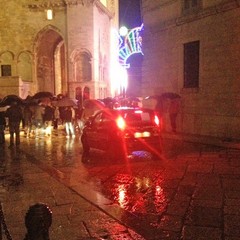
(156,97)
(40,95)
(109,101)
(93,103)
(65,102)
(30,101)
(151,101)
(133,99)
(91,106)
(9,99)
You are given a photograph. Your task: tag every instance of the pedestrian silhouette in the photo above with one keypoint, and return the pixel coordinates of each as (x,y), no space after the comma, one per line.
(2,127)
(173,113)
(15,116)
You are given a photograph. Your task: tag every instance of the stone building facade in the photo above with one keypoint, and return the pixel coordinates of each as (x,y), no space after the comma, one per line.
(60,46)
(192,47)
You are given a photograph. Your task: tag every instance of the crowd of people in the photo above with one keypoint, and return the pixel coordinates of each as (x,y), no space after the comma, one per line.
(38,120)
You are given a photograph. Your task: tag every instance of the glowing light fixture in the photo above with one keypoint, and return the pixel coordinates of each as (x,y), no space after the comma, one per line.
(123,31)
(132,44)
(123,44)
(49,14)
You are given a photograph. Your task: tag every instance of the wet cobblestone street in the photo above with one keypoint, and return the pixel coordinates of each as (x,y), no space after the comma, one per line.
(193,192)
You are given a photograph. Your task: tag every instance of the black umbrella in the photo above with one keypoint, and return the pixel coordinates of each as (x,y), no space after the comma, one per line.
(10,99)
(155,97)
(108,101)
(170,95)
(65,102)
(133,99)
(40,95)
(93,103)
(30,101)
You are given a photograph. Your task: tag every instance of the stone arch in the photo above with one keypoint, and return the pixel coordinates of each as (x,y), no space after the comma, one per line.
(82,66)
(7,56)
(24,65)
(50,60)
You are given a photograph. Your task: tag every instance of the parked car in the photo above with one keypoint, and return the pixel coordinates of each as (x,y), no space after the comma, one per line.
(121,131)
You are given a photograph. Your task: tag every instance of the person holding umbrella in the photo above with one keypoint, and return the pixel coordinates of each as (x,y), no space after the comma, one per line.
(173,113)
(68,115)
(15,116)
(2,127)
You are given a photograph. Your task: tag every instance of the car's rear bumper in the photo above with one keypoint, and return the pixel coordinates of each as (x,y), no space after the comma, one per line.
(144,144)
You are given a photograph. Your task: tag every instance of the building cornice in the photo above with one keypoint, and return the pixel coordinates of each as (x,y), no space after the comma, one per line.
(59,3)
(103,9)
(160,5)
(46,4)
(219,8)
(78,2)
(65,3)
(187,18)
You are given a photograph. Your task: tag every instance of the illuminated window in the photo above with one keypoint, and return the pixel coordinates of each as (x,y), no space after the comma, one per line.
(49,14)
(191,64)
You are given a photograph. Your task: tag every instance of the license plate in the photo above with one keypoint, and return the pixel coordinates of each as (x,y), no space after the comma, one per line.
(142,134)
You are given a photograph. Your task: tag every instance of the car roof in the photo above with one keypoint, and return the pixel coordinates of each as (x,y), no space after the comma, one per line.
(130,109)
(121,110)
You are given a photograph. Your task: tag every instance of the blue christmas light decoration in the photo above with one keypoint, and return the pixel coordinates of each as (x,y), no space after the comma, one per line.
(130,44)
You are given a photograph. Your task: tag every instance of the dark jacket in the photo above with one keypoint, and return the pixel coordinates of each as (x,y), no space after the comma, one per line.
(2,119)
(67,114)
(48,113)
(14,113)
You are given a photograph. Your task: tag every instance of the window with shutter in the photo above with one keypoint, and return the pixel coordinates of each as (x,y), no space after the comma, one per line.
(191,64)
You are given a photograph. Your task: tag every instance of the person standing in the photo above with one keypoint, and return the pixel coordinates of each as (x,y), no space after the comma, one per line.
(15,116)
(2,127)
(68,119)
(48,117)
(79,121)
(38,118)
(173,112)
(27,116)
(159,107)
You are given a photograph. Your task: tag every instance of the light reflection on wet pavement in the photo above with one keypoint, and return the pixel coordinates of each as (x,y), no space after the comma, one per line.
(154,194)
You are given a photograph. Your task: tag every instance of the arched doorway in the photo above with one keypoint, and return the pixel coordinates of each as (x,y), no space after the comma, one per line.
(50,61)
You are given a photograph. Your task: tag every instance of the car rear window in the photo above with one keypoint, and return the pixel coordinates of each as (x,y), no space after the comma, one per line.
(138,117)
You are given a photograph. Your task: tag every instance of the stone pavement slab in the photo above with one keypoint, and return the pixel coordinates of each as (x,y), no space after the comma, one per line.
(24,184)
(201,188)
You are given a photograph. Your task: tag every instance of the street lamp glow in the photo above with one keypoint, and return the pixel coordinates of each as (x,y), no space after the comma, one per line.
(124,43)
(123,31)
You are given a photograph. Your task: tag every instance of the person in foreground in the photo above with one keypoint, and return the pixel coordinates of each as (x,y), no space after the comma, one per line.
(15,116)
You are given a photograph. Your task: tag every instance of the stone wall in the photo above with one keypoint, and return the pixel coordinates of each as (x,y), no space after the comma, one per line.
(26,32)
(214,107)
(13,85)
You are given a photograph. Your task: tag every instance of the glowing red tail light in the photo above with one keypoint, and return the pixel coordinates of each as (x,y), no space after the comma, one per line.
(121,123)
(138,111)
(156,120)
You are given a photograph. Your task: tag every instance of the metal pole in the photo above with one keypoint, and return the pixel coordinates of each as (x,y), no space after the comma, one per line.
(1,228)
(38,220)
(3,225)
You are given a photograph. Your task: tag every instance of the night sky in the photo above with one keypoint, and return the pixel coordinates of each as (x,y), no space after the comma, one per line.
(130,17)
(129,13)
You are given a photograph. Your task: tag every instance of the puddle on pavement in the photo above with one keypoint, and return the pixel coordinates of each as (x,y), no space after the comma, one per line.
(138,195)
